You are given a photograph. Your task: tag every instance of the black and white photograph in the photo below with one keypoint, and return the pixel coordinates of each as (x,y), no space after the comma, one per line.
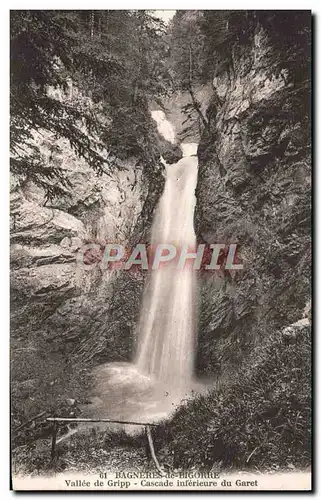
(160,250)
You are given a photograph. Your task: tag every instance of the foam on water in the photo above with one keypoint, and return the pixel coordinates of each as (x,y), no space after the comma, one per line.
(165,128)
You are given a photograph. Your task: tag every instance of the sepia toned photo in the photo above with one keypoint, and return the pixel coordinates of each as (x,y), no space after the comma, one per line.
(160,250)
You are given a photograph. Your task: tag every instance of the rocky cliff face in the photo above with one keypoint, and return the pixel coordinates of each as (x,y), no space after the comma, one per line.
(61,313)
(253,190)
(51,292)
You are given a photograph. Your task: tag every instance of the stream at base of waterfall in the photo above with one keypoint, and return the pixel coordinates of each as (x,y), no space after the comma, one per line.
(161,375)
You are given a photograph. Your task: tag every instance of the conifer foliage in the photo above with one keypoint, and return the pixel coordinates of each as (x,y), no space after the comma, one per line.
(112,60)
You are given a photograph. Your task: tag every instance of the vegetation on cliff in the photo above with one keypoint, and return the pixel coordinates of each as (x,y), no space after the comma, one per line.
(75,74)
(258,416)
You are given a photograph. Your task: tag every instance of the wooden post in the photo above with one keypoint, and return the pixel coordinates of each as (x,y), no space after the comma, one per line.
(147,446)
(54,438)
(152,451)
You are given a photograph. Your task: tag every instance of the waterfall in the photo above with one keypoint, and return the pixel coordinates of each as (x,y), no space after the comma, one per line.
(166,332)
(161,375)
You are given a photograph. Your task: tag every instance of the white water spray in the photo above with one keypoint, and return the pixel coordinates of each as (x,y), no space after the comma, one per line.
(166,333)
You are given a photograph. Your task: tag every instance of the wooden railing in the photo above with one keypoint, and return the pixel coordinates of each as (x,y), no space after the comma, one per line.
(147,425)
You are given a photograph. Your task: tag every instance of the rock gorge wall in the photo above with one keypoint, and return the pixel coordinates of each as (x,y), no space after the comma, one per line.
(86,313)
(253,189)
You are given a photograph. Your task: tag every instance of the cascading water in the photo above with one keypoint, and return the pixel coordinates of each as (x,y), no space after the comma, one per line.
(166,332)
(162,372)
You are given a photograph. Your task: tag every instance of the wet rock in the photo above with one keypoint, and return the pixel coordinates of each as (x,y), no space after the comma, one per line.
(172,153)
(291,333)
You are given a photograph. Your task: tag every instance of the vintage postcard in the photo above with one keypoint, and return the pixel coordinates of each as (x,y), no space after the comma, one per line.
(160,195)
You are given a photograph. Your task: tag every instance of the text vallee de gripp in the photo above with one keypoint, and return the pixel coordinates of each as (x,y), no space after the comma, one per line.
(145,257)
